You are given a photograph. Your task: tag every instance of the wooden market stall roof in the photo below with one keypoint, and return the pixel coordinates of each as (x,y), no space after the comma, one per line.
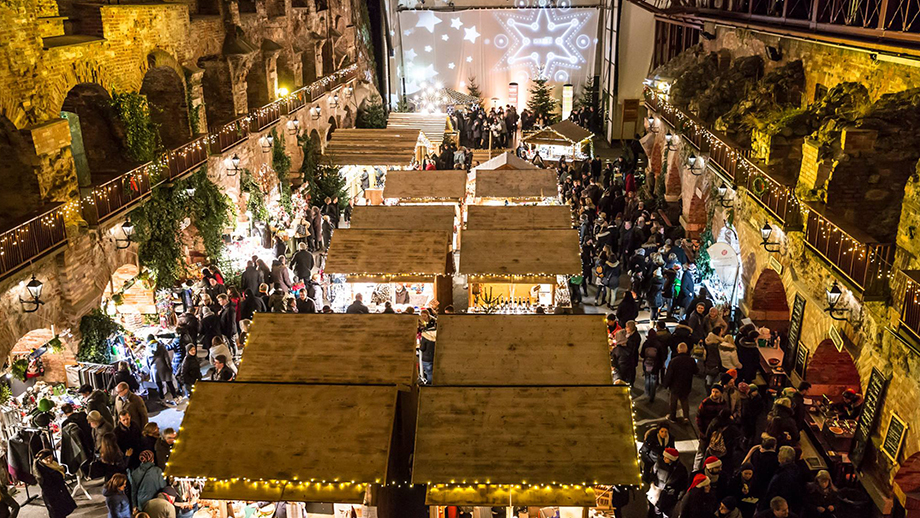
(330,348)
(404,217)
(479,438)
(516,183)
(520,253)
(523,217)
(565,133)
(420,185)
(504,161)
(285,435)
(415,254)
(372,147)
(433,125)
(522,350)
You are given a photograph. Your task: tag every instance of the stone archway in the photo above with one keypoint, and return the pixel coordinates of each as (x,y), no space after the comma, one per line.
(19,188)
(831,371)
(132,298)
(165,93)
(94,128)
(769,305)
(287,78)
(332,128)
(52,362)
(257,94)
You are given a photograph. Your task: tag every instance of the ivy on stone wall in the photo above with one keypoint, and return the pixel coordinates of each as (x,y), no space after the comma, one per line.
(281,163)
(211,211)
(142,135)
(95,329)
(194,111)
(158,227)
(256,204)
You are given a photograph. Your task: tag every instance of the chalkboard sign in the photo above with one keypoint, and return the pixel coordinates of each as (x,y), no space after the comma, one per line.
(875,391)
(894,437)
(801,361)
(795,328)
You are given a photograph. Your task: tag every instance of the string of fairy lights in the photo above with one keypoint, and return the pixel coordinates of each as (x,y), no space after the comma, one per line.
(143,178)
(827,230)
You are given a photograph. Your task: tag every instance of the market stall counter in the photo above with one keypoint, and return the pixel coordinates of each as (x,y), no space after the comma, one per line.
(439,186)
(281,442)
(521,350)
(516,185)
(524,446)
(515,271)
(331,348)
(519,217)
(397,266)
(562,139)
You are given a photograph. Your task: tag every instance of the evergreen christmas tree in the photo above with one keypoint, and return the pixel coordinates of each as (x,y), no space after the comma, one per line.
(541,100)
(588,94)
(371,114)
(473,89)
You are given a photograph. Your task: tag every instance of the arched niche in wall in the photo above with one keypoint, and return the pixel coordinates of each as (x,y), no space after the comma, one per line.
(217,87)
(287,78)
(19,188)
(308,60)
(328,60)
(332,128)
(768,301)
(93,124)
(831,371)
(165,91)
(257,94)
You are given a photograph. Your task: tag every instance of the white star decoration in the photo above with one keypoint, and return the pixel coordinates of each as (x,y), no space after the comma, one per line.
(544,41)
(410,54)
(427,48)
(471,34)
(451,66)
(428,20)
(445,37)
(469,59)
(456,23)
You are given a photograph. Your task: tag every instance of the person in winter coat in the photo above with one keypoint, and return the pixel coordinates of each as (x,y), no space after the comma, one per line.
(281,275)
(609,272)
(50,477)
(669,478)
(696,320)
(778,508)
(653,293)
(622,358)
(746,343)
(190,370)
(628,309)
(160,367)
(687,289)
(741,487)
(728,354)
(250,305)
(709,408)
(656,440)
(146,481)
(682,334)
(781,424)
(821,500)
(210,327)
(302,263)
(116,500)
(712,364)
(679,381)
(229,328)
(653,354)
(699,502)
(787,482)
(728,508)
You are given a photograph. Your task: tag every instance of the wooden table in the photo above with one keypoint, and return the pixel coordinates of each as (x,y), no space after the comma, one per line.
(834,448)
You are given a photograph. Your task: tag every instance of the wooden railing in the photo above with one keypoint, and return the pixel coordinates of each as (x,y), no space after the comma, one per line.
(37,235)
(905,298)
(44,233)
(864,262)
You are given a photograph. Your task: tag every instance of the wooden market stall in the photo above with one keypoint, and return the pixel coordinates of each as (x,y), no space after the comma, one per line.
(380,263)
(425,186)
(519,217)
(562,139)
(503,162)
(364,156)
(524,446)
(331,348)
(433,125)
(518,185)
(521,350)
(514,270)
(285,442)
(408,217)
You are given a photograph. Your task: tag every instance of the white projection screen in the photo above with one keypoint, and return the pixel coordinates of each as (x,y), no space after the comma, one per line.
(497,47)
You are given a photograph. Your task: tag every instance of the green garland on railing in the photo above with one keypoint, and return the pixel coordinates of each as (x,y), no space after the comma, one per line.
(157,226)
(210,210)
(95,329)
(281,163)
(256,203)
(142,135)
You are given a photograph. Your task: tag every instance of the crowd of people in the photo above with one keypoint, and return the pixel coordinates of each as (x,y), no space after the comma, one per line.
(748,461)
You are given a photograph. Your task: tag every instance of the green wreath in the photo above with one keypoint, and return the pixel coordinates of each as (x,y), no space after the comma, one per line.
(759,186)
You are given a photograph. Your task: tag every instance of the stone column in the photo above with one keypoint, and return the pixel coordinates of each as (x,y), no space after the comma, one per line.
(53,163)
(193,77)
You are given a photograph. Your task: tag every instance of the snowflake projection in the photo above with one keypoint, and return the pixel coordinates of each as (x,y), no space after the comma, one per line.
(545,41)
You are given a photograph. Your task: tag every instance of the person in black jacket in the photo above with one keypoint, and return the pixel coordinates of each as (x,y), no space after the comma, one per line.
(653,355)
(679,381)
(787,482)
(97,400)
(227,319)
(304,303)
(190,370)
(129,438)
(55,492)
(668,480)
(251,305)
(822,500)
(79,419)
(302,263)
(700,501)
(210,327)
(428,331)
(628,309)
(251,277)
(656,440)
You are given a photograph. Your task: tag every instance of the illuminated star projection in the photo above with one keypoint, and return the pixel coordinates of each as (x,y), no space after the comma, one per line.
(546,41)
(428,20)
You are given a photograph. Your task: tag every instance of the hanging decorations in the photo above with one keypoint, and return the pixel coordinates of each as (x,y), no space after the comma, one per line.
(759,186)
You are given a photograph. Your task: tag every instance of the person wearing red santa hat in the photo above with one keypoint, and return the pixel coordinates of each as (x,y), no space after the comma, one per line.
(712,468)
(699,502)
(669,479)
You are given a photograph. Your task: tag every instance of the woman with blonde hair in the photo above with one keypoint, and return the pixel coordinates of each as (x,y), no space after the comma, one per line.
(821,501)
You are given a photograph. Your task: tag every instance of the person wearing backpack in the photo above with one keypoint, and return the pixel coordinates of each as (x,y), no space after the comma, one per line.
(653,354)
